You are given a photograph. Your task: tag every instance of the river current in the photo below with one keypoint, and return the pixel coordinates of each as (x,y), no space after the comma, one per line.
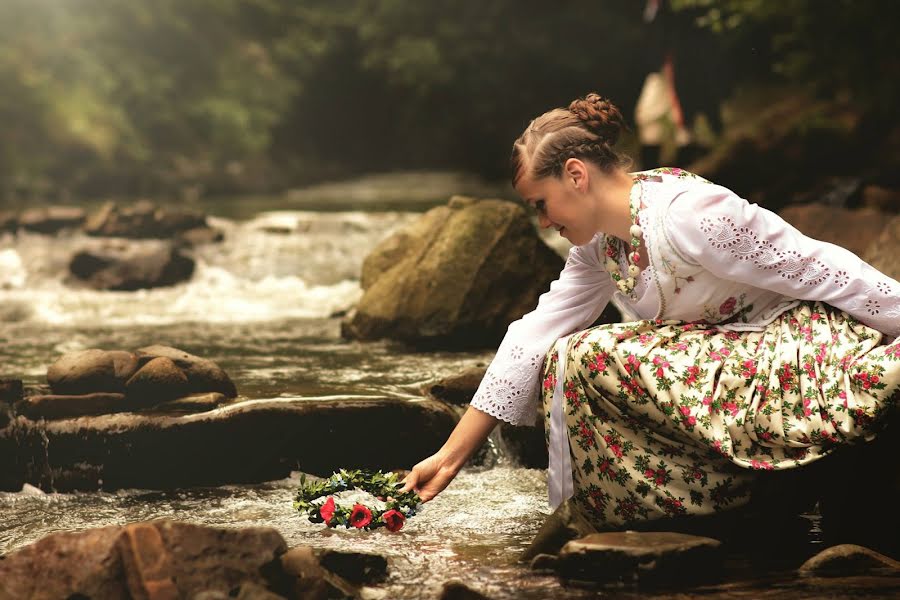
(266,305)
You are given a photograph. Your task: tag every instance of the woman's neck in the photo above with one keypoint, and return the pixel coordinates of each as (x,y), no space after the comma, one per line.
(612,192)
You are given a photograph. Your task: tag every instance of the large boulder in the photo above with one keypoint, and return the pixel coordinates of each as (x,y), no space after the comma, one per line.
(276,436)
(850,229)
(142,220)
(203,375)
(883,252)
(455,278)
(157,559)
(128,266)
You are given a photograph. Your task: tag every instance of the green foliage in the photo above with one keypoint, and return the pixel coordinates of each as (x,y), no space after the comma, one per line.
(121,96)
(843,48)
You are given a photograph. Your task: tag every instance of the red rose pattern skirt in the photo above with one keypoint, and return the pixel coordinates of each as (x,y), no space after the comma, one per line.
(667,418)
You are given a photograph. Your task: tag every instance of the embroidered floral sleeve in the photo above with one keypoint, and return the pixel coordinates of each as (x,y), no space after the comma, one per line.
(743,242)
(509,390)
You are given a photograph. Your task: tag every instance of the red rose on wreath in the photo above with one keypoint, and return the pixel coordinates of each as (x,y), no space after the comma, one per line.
(360,516)
(393,520)
(728,306)
(326,511)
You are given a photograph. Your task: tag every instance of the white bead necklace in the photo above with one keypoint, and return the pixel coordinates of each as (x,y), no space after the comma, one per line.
(613,245)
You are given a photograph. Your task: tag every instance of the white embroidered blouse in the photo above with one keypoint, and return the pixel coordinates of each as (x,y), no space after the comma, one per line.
(713,257)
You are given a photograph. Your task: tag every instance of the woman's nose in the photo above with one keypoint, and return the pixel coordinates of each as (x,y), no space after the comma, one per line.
(543,221)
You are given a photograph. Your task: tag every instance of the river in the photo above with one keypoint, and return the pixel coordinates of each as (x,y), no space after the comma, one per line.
(265,304)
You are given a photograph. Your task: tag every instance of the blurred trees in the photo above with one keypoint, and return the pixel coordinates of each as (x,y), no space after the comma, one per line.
(122,96)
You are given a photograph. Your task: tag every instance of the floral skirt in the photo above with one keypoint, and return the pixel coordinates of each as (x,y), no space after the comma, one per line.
(667,418)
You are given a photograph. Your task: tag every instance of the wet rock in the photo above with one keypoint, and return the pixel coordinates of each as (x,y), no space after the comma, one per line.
(85,372)
(312,581)
(883,252)
(455,278)
(153,560)
(565,524)
(278,436)
(159,379)
(142,220)
(199,236)
(458,388)
(130,266)
(544,562)
(254,591)
(203,374)
(193,403)
(358,568)
(848,560)
(457,590)
(63,565)
(62,406)
(51,219)
(11,390)
(850,229)
(10,393)
(881,198)
(197,558)
(9,222)
(632,555)
(525,444)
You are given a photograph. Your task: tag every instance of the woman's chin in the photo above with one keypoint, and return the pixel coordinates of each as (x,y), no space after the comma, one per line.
(575,238)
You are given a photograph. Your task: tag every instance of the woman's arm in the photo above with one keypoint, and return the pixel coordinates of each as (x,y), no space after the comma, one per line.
(743,242)
(510,388)
(432,475)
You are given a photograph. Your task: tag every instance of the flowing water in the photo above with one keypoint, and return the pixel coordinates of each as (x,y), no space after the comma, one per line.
(266,304)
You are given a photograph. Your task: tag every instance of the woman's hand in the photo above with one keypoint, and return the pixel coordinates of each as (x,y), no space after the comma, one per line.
(430,477)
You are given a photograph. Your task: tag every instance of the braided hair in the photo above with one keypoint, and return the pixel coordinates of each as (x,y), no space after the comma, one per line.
(588,129)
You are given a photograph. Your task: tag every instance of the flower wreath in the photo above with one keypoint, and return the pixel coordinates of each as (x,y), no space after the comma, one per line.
(384,486)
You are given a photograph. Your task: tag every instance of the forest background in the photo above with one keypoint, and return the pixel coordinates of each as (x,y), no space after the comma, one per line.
(170,97)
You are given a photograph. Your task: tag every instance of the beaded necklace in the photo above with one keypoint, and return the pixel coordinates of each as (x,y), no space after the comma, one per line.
(614,246)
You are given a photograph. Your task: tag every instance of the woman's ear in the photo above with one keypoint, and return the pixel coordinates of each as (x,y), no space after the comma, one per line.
(576,173)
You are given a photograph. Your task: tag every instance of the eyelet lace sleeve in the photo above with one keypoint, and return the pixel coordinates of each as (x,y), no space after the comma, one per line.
(509,390)
(743,242)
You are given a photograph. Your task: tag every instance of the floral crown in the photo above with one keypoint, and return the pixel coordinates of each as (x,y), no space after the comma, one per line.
(398,506)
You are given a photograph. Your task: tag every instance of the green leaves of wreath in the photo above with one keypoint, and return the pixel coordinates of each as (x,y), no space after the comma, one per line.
(385,486)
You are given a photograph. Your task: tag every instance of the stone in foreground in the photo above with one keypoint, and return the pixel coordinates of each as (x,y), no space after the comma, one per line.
(157,559)
(638,556)
(848,559)
(242,442)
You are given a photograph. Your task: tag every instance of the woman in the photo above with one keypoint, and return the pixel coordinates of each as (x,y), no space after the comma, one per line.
(757,348)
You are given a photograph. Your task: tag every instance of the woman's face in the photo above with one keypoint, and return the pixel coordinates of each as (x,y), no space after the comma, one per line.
(560,204)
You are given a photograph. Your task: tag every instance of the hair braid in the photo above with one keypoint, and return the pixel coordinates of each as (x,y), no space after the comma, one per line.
(587,129)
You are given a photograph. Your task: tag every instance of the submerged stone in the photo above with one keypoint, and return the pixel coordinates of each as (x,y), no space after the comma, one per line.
(457,590)
(311,579)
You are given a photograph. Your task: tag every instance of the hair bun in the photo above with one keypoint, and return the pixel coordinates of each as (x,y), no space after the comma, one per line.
(600,116)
